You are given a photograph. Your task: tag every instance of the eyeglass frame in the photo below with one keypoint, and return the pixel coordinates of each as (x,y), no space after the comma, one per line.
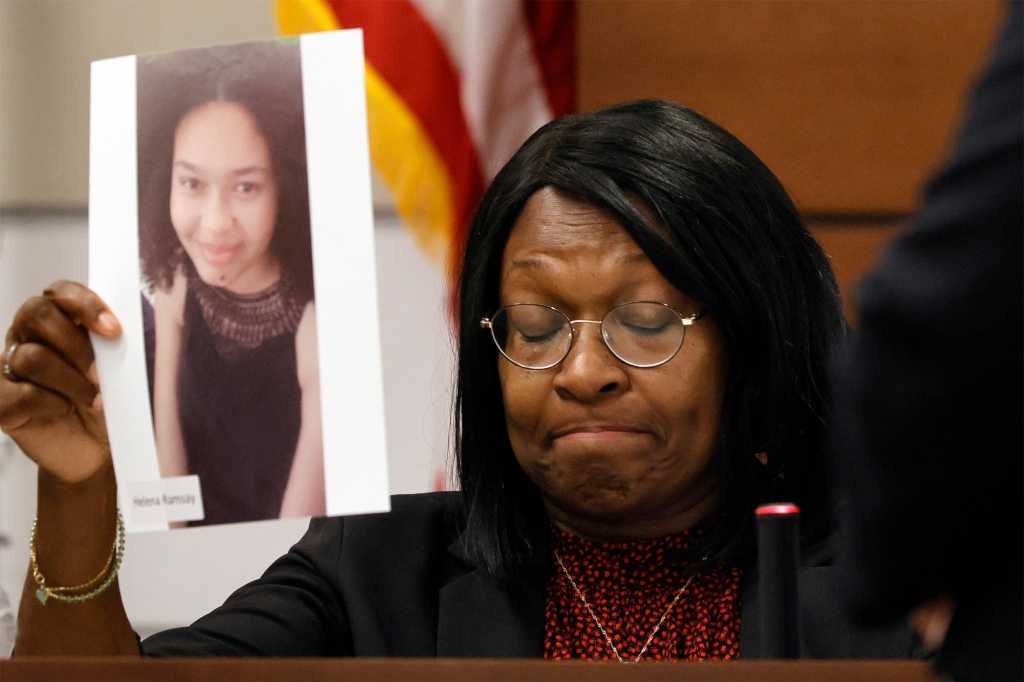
(687,320)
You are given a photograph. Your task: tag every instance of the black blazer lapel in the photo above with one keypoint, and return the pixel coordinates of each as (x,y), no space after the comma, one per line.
(479,617)
(750,614)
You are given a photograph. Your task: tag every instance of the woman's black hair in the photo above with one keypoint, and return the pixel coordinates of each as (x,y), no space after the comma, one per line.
(735,243)
(265,78)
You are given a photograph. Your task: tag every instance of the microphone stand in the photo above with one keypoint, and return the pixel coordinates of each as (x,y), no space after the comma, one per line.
(778,557)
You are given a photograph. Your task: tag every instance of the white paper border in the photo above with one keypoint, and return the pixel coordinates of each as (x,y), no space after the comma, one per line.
(114,275)
(341,216)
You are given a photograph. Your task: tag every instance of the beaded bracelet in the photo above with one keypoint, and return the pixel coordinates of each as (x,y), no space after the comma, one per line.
(98,584)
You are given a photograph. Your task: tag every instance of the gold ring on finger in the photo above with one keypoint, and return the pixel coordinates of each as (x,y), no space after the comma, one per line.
(8,370)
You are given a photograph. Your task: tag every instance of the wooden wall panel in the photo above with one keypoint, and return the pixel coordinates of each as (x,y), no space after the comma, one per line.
(850,102)
(853,249)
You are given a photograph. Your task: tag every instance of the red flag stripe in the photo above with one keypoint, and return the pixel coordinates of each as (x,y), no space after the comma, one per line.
(392,31)
(503,95)
(552,25)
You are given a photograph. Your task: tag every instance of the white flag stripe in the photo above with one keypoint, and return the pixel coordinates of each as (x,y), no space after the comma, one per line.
(502,91)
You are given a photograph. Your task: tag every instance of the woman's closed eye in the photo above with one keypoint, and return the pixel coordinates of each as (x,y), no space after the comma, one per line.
(646,327)
(646,323)
(538,334)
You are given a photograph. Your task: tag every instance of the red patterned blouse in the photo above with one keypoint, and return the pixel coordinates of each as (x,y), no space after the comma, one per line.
(630,586)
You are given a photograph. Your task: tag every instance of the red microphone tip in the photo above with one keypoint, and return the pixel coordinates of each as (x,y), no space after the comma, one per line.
(777,509)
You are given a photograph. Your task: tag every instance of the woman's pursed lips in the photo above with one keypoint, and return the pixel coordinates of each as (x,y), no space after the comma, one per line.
(597,430)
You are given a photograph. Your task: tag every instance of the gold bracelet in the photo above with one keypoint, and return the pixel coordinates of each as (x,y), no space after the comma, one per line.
(98,584)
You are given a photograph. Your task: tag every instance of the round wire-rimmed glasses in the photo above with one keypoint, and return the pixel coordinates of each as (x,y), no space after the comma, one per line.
(640,333)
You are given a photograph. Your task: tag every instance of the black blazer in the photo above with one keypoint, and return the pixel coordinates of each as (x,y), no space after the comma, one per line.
(399,584)
(929,413)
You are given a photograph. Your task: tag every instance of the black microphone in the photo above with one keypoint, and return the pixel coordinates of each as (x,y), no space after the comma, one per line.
(778,557)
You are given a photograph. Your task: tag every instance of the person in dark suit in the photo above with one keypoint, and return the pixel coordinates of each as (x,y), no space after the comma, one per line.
(928,427)
(645,332)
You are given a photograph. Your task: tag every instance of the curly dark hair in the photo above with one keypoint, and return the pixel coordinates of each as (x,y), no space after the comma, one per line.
(735,243)
(265,78)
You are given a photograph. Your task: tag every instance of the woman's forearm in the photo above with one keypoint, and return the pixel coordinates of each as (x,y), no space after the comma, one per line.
(76,531)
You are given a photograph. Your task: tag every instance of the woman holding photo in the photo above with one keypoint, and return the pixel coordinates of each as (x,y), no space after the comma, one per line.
(645,328)
(226,261)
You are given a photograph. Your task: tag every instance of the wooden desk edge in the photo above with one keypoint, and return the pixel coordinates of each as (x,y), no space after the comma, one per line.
(30,669)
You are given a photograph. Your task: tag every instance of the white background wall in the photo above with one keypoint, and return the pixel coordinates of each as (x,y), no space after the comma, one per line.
(173,577)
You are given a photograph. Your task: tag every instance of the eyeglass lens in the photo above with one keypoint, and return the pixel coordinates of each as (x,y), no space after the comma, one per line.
(643,334)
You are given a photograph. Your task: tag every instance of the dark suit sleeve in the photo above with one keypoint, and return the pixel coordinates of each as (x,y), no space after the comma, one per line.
(294,609)
(927,441)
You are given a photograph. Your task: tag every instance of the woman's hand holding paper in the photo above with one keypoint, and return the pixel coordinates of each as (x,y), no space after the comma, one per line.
(50,405)
(49,394)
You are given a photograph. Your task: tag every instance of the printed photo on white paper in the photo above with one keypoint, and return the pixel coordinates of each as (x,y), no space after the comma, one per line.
(231,231)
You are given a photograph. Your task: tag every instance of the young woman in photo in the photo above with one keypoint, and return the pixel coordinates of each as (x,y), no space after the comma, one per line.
(226,260)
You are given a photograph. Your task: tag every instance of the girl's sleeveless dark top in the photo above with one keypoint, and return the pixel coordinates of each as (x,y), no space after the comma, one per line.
(240,414)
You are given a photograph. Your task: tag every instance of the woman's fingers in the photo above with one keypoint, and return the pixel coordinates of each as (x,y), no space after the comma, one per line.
(40,322)
(48,390)
(59,319)
(47,348)
(22,403)
(68,442)
(85,307)
(37,364)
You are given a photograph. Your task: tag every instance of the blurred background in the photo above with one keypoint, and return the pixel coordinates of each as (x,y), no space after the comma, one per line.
(851,103)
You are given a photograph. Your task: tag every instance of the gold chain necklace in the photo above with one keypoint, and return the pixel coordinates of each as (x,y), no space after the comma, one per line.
(615,649)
